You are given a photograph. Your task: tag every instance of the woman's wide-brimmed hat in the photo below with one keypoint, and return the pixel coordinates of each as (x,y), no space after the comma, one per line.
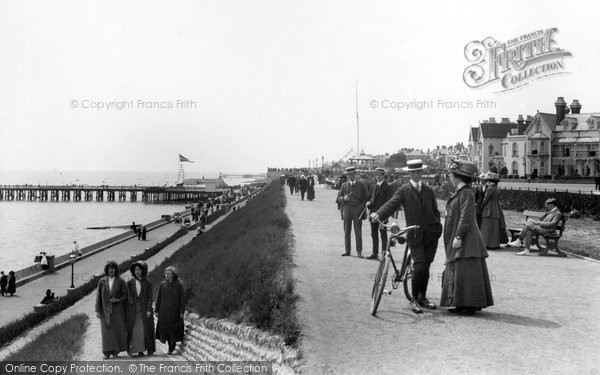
(142,265)
(463,168)
(414,165)
(491,176)
(550,200)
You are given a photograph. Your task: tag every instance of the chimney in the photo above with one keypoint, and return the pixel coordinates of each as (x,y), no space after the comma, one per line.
(492,120)
(520,125)
(560,105)
(505,120)
(575,107)
(528,121)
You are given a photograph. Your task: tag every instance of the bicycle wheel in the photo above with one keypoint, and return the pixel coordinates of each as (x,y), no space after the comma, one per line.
(408,278)
(379,284)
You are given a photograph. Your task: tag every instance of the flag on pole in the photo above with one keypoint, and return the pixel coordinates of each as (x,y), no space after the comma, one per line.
(183,159)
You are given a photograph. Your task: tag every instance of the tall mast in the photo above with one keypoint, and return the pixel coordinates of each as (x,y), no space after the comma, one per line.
(357,128)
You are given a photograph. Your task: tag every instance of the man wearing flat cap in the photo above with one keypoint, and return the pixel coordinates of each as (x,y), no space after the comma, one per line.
(420,208)
(352,196)
(380,193)
(546,225)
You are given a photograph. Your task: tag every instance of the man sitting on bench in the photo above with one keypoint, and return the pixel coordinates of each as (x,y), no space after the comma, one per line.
(546,225)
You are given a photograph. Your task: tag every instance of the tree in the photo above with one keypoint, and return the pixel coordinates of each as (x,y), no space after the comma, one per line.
(396,161)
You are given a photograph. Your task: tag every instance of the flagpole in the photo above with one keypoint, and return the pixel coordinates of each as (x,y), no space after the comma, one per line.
(357,127)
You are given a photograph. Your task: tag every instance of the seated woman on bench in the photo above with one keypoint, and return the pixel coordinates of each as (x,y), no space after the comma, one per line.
(546,225)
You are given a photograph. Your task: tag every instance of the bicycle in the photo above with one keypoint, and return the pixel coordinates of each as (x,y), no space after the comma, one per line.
(403,275)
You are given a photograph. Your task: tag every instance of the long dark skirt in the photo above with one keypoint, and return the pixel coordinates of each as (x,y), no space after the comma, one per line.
(114,336)
(491,232)
(310,195)
(466,283)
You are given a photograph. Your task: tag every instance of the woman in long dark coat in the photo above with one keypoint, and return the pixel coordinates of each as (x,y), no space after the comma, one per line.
(170,307)
(465,282)
(310,194)
(493,227)
(12,283)
(111,303)
(140,317)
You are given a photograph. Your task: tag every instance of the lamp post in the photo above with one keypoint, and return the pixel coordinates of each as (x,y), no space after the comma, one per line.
(72,261)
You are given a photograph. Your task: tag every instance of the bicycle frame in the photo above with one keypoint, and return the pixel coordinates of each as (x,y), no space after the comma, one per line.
(400,276)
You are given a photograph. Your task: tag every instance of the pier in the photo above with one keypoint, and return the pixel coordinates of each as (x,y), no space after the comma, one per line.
(79,193)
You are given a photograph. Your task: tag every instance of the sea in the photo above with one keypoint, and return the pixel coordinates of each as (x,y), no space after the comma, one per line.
(28,228)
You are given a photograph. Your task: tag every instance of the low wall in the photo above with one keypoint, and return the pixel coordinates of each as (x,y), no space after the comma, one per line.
(208,339)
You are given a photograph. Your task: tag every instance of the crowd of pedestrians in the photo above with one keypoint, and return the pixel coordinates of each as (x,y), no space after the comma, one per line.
(301,183)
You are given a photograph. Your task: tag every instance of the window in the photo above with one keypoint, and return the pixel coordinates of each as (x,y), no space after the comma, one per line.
(515,149)
(504,150)
(491,150)
(566,151)
(515,168)
(538,127)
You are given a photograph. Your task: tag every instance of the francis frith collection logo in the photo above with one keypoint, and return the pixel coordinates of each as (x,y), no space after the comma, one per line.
(514,63)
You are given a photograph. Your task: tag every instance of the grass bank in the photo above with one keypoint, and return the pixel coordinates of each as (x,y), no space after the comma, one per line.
(57,344)
(241,269)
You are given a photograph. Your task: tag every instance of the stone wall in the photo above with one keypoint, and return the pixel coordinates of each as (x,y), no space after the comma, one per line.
(208,339)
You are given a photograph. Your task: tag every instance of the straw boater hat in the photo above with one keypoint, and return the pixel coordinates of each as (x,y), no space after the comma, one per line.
(350,170)
(463,168)
(380,170)
(414,165)
(550,201)
(491,176)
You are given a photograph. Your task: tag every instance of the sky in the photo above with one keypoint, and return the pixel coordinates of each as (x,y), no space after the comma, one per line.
(239,86)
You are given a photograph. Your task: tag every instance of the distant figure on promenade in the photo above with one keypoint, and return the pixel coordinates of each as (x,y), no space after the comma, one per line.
(170,308)
(111,300)
(352,196)
(48,298)
(310,192)
(44,261)
(3,283)
(302,185)
(133,227)
(380,193)
(479,195)
(420,208)
(597,180)
(12,283)
(493,226)
(144,233)
(465,281)
(139,233)
(140,317)
(291,181)
(76,249)
(546,225)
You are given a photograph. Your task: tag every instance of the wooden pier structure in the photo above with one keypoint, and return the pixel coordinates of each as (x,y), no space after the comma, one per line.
(79,193)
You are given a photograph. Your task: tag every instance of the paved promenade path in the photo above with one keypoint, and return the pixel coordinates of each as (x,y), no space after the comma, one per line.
(544,321)
(31,293)
(92,348)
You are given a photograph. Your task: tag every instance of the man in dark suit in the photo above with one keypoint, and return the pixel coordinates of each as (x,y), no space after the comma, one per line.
(291,180)
(352,195)
(420,208)
(380,193)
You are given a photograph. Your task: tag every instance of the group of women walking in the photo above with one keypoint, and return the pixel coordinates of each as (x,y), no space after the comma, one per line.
(126,314)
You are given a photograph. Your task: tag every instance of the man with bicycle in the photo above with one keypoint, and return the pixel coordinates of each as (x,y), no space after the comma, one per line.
(420,208)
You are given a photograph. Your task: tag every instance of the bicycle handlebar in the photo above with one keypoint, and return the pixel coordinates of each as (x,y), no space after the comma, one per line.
(401,231)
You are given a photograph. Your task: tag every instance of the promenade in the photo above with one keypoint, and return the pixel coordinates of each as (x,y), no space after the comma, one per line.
(94,264)
(544,319)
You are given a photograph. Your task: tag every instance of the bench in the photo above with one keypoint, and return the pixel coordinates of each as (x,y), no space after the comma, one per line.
(551,239)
